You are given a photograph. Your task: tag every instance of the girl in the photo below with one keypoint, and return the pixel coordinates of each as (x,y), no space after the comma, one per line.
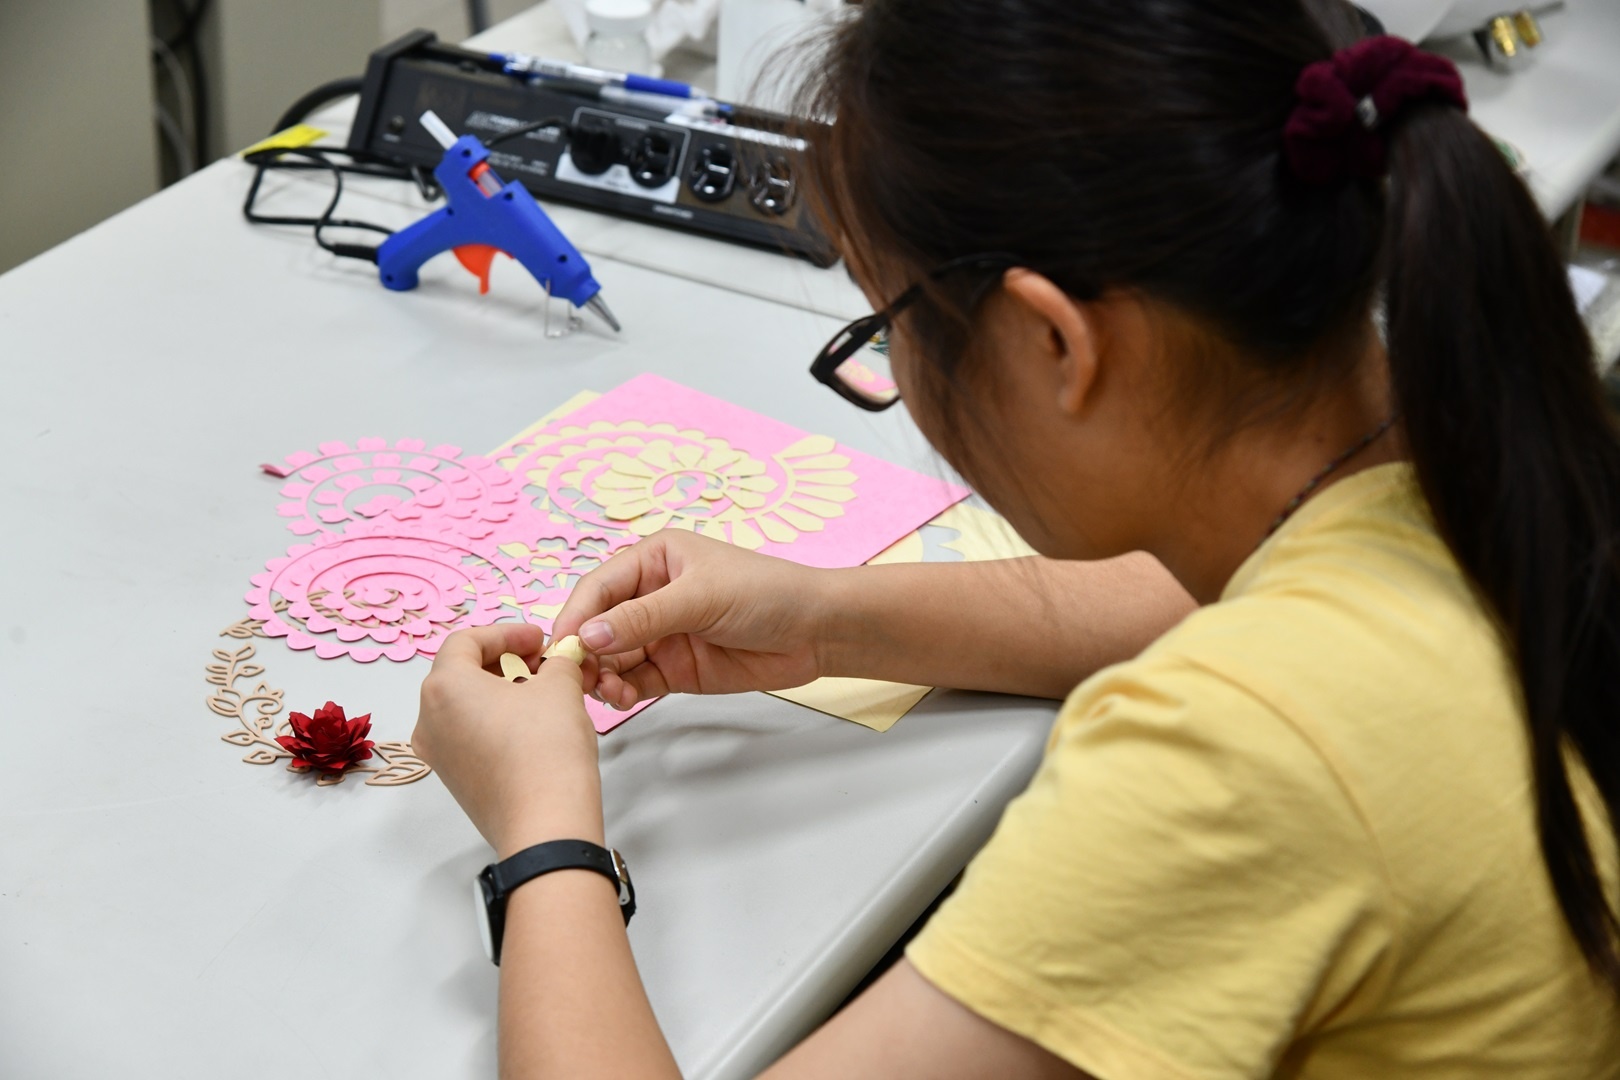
(1352,817)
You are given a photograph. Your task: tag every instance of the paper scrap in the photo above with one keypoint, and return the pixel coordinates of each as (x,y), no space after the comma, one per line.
(514,668)
(868,702)
(569,648)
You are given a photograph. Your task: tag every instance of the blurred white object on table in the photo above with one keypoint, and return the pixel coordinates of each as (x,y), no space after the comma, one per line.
(682,24)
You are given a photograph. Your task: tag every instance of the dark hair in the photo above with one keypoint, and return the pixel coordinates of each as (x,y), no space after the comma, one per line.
(1137,144)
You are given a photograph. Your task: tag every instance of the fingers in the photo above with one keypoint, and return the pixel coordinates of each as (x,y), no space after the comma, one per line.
(681,607)
(557,670)
(482,646)
(646,592)
(623,690)
(618,662)
(637,569)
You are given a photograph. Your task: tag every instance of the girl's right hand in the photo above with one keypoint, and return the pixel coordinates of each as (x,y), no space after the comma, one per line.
(681,613)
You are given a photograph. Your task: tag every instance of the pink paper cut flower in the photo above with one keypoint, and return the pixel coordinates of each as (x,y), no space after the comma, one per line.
(339,484)
(384,588)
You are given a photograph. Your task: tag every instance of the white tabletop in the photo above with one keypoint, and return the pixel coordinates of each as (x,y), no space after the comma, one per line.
(169,911)
(1561,108)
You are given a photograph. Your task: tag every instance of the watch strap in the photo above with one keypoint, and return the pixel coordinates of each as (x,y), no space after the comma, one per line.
(498,880)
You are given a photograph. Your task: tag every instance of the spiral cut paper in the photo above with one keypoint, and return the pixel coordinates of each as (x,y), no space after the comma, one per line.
(407,542)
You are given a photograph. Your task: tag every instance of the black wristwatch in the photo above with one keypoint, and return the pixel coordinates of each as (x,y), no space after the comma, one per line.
(497,880)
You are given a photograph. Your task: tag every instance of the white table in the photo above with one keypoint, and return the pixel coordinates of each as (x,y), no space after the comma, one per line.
(168,911)
(1562,107)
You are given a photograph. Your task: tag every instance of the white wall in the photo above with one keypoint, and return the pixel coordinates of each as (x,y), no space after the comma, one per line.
(266,53)
(76,91)
(447,18)
(76,129)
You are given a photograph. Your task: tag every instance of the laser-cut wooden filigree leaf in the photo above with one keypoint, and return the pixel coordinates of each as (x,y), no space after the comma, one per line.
(256,713)
(401,765)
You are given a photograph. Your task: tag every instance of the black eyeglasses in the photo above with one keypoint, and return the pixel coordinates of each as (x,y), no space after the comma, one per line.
(855,363)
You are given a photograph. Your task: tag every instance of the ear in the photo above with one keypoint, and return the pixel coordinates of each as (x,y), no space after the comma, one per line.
(1061,333)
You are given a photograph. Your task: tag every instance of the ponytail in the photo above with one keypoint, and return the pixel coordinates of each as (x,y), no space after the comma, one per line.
(1519,460)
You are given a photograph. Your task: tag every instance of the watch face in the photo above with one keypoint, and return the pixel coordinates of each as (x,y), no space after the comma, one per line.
(481,902)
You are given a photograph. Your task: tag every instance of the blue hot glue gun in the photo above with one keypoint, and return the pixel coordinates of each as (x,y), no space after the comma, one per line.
(484,216)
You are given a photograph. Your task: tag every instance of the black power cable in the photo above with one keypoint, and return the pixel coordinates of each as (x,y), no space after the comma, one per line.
(557,122)
(337,161)
(327,91)
(318,157)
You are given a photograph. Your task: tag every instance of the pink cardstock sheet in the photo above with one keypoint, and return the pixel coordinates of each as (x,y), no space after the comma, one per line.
(653,454)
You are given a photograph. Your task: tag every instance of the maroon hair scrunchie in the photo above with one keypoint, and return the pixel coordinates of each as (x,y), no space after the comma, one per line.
(1345,105)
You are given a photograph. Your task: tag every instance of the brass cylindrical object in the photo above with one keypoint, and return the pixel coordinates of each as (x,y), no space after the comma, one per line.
(1524,21)
(1504,37)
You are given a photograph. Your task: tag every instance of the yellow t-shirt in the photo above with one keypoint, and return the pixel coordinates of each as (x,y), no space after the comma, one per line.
(1294,838)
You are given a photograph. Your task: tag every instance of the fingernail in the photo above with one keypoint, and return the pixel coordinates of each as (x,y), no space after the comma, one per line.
(596,635)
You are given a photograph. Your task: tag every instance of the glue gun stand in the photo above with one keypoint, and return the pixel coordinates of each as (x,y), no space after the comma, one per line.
(476,225)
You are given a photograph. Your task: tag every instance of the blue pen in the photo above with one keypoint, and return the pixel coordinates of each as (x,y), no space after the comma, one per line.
(684,106)
(525,64)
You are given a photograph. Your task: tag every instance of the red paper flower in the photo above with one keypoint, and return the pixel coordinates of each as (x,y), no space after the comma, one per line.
(327,741)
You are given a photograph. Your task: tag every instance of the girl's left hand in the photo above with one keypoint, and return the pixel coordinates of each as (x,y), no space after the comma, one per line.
(520,758)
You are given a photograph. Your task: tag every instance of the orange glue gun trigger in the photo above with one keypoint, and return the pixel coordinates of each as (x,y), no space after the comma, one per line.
(477,259)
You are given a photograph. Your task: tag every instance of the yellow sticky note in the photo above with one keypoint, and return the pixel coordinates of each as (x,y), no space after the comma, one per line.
(288,139)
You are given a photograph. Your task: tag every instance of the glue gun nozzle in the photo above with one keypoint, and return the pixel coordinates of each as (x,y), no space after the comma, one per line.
(599,306)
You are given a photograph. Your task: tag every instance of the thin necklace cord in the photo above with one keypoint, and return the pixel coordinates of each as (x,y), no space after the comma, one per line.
(1327,470)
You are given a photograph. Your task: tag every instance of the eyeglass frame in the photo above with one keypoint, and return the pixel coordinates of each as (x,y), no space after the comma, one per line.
(859,332)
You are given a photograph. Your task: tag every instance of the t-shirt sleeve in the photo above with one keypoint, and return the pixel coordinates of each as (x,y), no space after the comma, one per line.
(1184,890)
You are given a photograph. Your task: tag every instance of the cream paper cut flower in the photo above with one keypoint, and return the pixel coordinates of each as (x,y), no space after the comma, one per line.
(713,489)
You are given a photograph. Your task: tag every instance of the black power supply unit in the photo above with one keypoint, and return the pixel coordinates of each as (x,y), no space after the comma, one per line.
(734,177)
